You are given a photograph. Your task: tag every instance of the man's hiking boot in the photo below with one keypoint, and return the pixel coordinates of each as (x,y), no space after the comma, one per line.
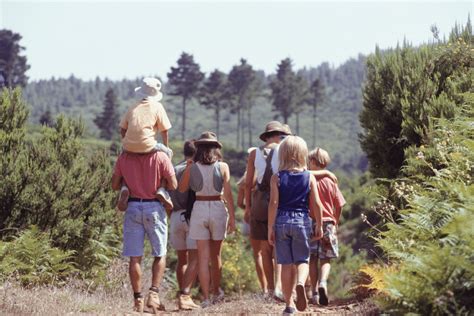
(122,202)
(164,197)
(218,297)
(206,304)
(153,302)
(138,305)
(289,311)
(301,300)
(323,296)
(278,295)
(185,302)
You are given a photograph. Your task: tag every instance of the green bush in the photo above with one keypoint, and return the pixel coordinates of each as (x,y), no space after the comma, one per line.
(32,260)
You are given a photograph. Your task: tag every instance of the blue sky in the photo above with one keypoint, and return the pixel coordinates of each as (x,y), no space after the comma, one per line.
(125,39)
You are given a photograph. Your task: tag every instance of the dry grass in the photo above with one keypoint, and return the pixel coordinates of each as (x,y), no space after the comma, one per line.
(115,299)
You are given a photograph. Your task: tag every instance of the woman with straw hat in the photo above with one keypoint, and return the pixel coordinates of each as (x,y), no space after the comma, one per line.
(210,220)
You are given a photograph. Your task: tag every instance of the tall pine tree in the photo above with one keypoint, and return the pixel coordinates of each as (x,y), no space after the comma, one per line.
(185,80)
(108,120)
(316,97)
(13,65)
(213,95)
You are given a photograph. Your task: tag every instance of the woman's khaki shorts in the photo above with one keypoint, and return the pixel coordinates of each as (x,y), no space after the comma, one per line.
(208,221)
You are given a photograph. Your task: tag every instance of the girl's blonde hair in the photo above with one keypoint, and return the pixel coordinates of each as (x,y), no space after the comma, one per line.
(320,157)
(293,153)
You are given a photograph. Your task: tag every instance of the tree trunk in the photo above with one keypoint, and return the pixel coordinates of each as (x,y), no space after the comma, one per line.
(238,129)
(249,115)
(314,125)
(298,123)
(183,118)
(217,121)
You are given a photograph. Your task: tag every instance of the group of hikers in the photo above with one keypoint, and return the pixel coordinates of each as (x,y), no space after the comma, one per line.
(292,208)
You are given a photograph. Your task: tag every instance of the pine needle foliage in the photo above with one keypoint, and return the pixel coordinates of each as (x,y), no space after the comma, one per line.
(427,237)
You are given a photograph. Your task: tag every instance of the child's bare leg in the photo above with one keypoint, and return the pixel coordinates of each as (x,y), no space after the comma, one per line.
(288,280)
(313,272)
(323,278)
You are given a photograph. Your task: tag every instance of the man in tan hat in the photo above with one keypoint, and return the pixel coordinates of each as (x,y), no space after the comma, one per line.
(256,207)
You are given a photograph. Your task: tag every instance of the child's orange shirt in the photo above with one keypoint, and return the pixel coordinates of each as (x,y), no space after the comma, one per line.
(331,199)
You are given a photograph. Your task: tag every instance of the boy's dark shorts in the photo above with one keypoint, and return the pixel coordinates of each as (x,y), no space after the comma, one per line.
(327,247)
(258,229)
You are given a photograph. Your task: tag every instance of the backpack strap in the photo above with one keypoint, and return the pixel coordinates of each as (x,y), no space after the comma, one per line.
(265,184)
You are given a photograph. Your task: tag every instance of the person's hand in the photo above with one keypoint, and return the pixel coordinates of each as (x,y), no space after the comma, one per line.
(332,176)
(231,225)
(271,236)
(318,232)
(189,162)
(247,217)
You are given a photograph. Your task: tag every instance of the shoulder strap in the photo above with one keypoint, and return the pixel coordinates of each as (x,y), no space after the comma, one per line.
(265,184)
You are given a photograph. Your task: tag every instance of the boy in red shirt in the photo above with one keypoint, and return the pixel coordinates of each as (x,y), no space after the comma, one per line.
(326,248)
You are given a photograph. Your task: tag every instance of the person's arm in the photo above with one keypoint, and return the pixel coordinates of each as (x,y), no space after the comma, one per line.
(272,208)
(228,196)
(319,174)
(184,182)
(316,208)
(241,196)
(249,182)
(164,137)
(171,183)
(116,182)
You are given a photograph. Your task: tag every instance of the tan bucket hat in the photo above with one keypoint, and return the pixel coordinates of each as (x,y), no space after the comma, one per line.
(208,138)
(275,126)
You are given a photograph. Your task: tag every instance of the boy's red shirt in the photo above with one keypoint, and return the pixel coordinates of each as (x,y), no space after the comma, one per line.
(331,199)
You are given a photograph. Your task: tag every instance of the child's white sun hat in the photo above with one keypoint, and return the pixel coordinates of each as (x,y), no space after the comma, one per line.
(150,87)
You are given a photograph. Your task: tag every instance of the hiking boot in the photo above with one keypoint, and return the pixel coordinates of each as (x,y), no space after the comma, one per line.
(153,302)
(138,305)
(301,300)
(315,299)
(289,311)
(185,302)
(323,296)
(206,304)
(122,202)
(164,197)
(278,295)
(218,297)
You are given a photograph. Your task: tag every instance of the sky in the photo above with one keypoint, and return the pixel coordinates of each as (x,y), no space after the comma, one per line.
(129,39)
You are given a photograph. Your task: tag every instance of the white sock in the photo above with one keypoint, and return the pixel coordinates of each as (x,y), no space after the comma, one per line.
(124,188)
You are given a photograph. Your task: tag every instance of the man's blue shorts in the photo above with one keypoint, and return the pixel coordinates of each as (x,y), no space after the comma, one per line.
(145,218)
(293,231)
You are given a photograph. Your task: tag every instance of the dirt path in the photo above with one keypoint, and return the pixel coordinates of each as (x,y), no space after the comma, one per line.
(256,305)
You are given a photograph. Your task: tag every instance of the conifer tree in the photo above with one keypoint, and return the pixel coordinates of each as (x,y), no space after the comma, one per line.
(46,118)
(213,95)
(315,99)
(13,65)
(185,80)
(108,121)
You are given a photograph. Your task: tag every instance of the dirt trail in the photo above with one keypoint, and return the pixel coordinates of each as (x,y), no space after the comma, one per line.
(256,305)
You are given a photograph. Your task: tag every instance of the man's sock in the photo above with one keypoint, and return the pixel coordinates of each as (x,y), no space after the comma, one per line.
(323,283)
(137,295)
(155,289)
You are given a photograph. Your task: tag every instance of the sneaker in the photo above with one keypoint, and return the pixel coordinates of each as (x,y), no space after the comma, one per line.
(315,299)
(323,296)
(138,305)
(278,295)
(206,304)
(123,199)
(153,302)
(164,197)
(301,300)
(289,311)
(185,302)
(218,297)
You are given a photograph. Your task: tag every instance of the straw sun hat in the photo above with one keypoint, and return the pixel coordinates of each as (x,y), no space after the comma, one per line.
(208,138)
(275,126)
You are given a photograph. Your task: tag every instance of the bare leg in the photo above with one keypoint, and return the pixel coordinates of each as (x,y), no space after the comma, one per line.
(203,263)
(181,266)
(257,256)
(191,271)
(313,273)
(288,278)
(302,273)
(267,260)
(325,269)
(135,273)
(216,264)
(158,271)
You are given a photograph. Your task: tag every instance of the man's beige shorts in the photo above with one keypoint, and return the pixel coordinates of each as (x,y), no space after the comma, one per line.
(179,232)
(208,221)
